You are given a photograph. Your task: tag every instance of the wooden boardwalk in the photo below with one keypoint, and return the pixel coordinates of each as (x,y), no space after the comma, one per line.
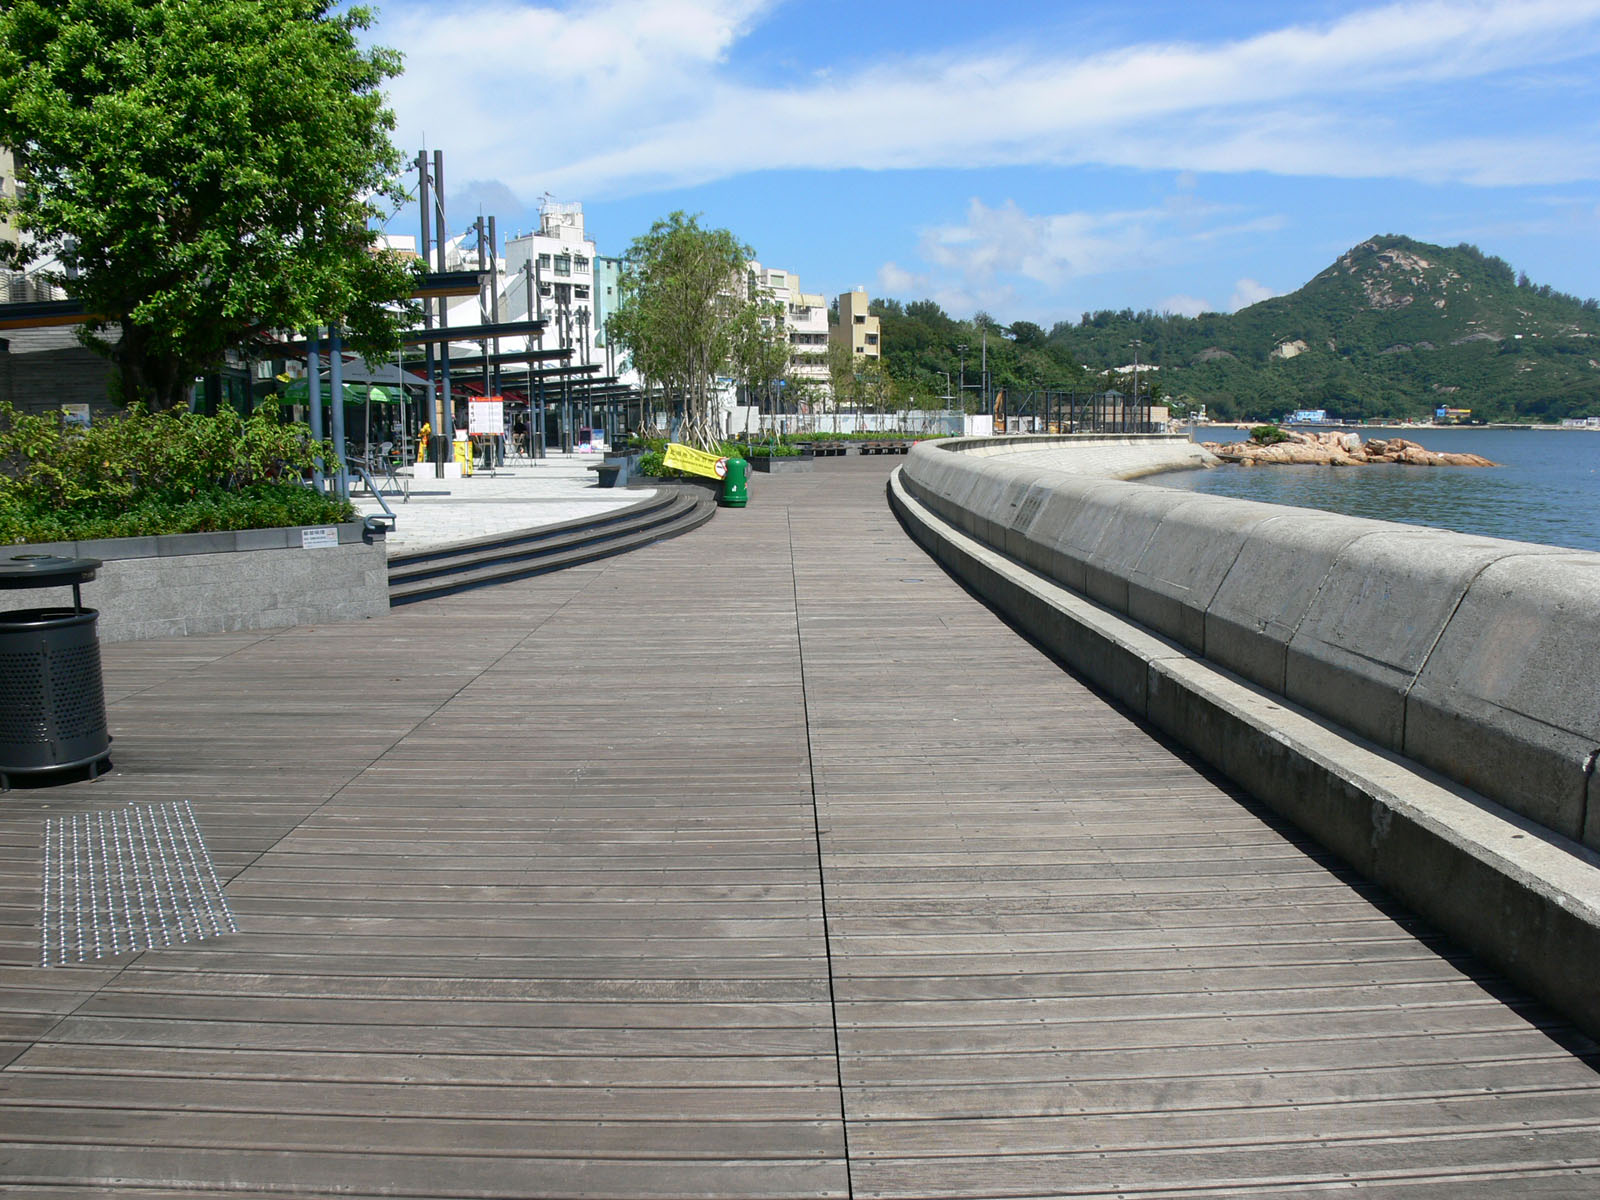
(762,862)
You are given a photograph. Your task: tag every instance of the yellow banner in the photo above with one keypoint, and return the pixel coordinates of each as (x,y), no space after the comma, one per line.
(696,462)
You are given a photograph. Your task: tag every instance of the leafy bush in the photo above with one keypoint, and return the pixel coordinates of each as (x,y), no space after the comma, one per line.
(651,461)
(1267,435)
(142,473)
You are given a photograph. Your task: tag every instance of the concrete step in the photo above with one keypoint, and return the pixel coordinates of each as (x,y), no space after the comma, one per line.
(442,570)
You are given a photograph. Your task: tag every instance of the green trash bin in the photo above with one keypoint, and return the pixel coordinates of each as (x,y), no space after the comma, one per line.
(736,484)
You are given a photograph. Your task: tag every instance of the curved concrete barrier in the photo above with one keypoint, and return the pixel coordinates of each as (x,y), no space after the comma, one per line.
(1325,664)
(1475,656)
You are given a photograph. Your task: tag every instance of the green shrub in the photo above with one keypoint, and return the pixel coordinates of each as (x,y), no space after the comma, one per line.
(1267,435)
(140,474)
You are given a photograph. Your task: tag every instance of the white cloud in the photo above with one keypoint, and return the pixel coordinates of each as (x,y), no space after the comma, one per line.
(631,95)
(1185,306)
(1247,292)
(1000,252)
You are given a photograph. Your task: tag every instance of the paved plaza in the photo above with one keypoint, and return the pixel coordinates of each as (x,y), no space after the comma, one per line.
(765,861)
(524,494)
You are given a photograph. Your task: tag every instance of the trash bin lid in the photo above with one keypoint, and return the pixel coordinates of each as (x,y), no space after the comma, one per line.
(45,570)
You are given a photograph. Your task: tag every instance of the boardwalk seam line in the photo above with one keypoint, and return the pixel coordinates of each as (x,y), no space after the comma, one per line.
(822,877)
(389,749)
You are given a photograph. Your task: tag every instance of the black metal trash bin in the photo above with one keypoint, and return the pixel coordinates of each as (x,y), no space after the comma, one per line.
(52,696)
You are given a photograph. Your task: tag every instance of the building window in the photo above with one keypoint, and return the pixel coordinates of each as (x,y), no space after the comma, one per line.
(861,349)
(860,320)
(564,264)
(581,292)
(544,289)
(872,339)
(580,262)
(544,261)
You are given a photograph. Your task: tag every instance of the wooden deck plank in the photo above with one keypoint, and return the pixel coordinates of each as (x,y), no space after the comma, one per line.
(602,883)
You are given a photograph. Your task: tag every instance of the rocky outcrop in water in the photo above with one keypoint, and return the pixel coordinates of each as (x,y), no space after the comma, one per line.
(1339,450)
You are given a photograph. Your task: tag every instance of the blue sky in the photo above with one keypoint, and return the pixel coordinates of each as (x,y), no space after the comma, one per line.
(1031,160)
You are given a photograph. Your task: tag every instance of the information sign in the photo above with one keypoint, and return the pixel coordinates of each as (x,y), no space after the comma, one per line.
(486,417)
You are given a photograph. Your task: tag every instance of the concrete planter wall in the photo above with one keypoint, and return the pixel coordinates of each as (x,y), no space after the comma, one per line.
(785,464)
(153,587)
(1477,657)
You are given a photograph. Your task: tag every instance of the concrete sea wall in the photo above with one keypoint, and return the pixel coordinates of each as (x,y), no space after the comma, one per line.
(1427,704)
(1475,656)
(223,582)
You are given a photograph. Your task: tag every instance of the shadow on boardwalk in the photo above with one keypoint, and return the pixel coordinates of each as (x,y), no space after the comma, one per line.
(763,862)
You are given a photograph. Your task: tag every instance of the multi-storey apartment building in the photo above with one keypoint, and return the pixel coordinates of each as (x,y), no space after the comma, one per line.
(857,328)
(805,321)
(558,261)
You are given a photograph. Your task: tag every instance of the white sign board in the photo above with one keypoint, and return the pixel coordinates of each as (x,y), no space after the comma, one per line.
(319,539)
(486,417)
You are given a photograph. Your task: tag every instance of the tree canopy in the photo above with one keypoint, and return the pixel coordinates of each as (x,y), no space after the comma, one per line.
(683,307)
(202,170)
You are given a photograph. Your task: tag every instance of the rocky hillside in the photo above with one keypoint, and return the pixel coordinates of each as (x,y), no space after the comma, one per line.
(1395,327)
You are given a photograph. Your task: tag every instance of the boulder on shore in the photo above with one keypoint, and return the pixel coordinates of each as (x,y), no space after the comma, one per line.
(1339,450)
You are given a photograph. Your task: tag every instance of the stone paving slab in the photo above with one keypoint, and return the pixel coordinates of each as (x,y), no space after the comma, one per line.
(523,495)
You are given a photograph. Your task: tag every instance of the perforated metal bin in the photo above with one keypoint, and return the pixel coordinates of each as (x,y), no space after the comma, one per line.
(52,696)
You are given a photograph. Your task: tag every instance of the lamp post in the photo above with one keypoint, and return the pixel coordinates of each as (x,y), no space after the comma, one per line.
(961,391)
(1135,343)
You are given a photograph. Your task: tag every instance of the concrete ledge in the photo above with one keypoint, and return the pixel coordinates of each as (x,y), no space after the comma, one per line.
(784,464)
(223,582)
(1524,898)
(1476,656)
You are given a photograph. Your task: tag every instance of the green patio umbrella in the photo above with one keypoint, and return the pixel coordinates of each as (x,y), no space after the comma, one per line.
(299,392)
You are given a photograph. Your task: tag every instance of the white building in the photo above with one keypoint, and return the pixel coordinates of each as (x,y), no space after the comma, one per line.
(555,268)
(29,283)
(805,321)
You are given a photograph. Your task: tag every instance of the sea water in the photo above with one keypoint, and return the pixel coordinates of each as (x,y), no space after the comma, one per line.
(1546,488)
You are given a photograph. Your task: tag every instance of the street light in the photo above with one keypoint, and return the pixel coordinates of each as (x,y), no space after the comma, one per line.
(946,375)
(962,391)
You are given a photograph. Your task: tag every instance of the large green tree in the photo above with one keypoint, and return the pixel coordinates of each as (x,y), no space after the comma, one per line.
(203,170)
(683,305)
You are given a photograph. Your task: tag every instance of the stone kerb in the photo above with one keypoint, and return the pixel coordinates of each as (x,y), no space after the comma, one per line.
(249,579)
(1477,657)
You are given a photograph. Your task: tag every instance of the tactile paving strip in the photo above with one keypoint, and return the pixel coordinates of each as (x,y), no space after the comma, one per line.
(130,879)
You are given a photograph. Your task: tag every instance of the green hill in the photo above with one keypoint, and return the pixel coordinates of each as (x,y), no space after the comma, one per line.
(1394,328)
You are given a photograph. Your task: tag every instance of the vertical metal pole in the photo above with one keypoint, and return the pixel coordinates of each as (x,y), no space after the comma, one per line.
(494,295)
(531,276)
(440,239)
(543,435)
(341,473)
(314,397)
(483,344)
(436,447)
